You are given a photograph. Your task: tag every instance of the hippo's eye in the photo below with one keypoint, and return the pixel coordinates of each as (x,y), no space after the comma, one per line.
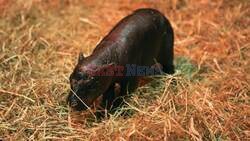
(79,76)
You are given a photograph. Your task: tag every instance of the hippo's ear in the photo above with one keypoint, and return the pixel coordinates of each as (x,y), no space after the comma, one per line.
(81,57)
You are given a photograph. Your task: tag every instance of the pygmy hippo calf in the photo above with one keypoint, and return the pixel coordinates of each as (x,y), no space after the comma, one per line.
(128,51)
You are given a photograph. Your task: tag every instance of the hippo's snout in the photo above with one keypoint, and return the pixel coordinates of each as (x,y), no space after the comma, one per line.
(75,103)
(72,100)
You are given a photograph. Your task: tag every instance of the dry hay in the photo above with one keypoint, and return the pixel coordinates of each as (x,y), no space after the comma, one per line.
(39,43)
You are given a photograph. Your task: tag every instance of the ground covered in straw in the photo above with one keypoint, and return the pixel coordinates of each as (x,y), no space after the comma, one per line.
(39,44)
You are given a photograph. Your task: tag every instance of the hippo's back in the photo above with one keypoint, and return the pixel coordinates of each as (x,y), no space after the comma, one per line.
(143,22)
(137,38)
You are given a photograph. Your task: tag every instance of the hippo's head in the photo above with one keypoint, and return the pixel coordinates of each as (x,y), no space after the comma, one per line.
(85,88)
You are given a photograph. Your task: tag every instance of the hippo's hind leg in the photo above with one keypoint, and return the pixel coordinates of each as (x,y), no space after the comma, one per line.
(133,83)
(166,56)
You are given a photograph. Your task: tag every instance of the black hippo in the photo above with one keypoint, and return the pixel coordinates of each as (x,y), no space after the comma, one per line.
(142,39)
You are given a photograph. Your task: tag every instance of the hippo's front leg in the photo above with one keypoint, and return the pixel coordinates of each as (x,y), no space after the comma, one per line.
(109,96)
(114,96)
